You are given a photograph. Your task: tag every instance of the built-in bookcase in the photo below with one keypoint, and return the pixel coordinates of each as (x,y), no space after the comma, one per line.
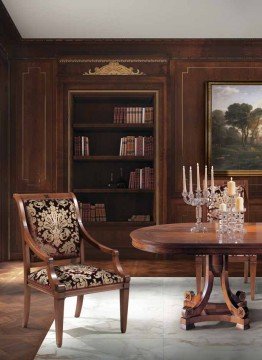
(92,116)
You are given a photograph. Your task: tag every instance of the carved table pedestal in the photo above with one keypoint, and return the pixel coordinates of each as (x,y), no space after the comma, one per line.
(177,239)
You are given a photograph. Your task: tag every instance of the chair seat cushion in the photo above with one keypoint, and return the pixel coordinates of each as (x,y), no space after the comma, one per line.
(77,276)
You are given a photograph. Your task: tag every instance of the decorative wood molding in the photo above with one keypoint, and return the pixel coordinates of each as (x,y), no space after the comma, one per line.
(114,68)
(25,174)
(183,75)
(67,61)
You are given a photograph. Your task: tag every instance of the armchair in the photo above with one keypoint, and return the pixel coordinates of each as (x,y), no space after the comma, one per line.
(52,230)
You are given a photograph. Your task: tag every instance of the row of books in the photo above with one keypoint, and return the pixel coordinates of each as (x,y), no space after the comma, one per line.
(92,212)
(139,218)
(142,179)
(137,146)
(81,146)
(133,115)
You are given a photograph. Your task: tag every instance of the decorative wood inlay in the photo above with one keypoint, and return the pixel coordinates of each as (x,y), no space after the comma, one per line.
(114,68)
(68,61)
(183,75)
(30,174)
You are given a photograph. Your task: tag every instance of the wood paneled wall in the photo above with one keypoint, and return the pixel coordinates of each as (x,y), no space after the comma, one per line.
(41,70)
(188,125)
(33,135)
(9,34)
(4,168)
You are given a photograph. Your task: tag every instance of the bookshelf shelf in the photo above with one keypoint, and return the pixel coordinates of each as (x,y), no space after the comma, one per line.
(112,158)
(113,127)
(96,140)
(119,223)
(113,191)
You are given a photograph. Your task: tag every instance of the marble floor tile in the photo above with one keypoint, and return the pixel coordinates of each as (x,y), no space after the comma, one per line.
(153,330)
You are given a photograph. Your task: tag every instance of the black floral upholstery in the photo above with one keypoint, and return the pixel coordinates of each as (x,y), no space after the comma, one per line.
(53,226)
(77,276)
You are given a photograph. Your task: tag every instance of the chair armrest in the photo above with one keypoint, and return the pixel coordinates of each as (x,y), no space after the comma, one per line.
(30,242)
(55,284)
(52,277)
(87,237)
(115,253)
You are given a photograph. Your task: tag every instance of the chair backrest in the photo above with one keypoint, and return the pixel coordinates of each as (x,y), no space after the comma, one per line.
(52,220)
(211,212)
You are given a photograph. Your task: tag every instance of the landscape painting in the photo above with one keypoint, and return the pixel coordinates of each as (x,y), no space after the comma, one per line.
(234,127)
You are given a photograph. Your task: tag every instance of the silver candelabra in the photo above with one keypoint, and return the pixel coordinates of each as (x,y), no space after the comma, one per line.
(197,199)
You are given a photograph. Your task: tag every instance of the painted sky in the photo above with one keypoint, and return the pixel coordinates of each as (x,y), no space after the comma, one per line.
(225,95)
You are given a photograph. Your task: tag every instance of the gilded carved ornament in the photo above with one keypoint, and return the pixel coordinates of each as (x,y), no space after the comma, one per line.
(114,68)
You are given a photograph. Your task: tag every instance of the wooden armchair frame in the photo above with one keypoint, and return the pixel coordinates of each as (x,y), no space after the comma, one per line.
(250,261)
(57,289)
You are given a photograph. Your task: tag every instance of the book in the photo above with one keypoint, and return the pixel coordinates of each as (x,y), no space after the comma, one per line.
(133,115)
(140,218)
(142,179)
(136,146)
(81,146)
(92,212)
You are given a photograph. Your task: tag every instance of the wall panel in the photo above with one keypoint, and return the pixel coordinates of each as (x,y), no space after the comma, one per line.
(4,143)
(188,125)
(38,145)
(33,159)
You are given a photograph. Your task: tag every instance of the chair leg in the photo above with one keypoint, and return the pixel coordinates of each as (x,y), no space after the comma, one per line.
(199,268)
(27,297)
(79,304)
(59,319)
(253,271)
(246,270)
(124,296)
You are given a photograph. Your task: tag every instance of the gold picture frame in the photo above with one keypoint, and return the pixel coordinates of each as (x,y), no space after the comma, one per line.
(234,127)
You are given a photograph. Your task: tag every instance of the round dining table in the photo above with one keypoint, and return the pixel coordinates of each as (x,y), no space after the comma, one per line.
(216,247)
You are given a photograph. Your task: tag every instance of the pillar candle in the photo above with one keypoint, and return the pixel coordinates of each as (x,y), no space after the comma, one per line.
(190,181)
(239,204)
(184,180)
(198,178)
(231,187)
(212,180)
(205,180)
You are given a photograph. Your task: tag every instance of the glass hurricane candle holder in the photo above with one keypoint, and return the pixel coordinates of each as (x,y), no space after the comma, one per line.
(231,221)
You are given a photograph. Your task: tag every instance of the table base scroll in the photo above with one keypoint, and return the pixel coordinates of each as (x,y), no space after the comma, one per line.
(198,309)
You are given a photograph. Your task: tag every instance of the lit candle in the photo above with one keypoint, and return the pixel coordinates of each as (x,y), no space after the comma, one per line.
(231,187)
(239,203)
(223,207)
(190,181)
(198,178)
(212,180)
(205,180)
(184,180)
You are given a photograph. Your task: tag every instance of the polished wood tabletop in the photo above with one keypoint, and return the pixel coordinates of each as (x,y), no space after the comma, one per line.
(178,239)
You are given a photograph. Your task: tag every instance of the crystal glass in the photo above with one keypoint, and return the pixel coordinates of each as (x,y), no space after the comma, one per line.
(198,199)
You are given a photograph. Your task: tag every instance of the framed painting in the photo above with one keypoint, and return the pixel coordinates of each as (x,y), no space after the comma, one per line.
(234,127)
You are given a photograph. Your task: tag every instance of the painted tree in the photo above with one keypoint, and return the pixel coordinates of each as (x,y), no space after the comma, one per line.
(238,115)
(218,127)
(254,122)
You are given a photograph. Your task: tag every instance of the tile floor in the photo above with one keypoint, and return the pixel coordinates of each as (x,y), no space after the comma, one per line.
(153,331)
